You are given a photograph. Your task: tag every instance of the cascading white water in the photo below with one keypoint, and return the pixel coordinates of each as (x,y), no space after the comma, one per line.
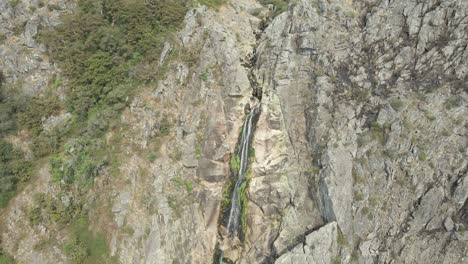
(243,155)
(233,221)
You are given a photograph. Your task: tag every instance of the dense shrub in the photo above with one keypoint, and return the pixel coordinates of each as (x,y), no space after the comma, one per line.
(98,47)
(80,165)
(38,109)
(47,208)
(11,103)
(14,169)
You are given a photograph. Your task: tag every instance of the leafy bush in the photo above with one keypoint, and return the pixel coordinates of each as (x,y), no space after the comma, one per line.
(80,166)
(32,118)
(14,169)
(7,118)
(11,103)
(98,46)
(47,208)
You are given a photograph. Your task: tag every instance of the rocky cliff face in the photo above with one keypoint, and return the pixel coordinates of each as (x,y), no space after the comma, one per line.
(24,61)
(360,149)
(361,127)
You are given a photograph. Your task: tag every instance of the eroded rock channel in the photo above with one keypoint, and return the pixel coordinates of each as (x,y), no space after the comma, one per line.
(232,224)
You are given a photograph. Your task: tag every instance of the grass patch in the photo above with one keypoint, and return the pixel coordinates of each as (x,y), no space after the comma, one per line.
(396,104)
(453,102)
(183,184)
(358,196)
(429,116)
(151,157)
(212,3)
(84,246)
(360,95)
(235,163)
(365,210)
(14,3)
(204,76)
(279,6)
(243,203)
(341,239)
(377,132)
(198,151)
(5,258)
(128,230)
(422,155)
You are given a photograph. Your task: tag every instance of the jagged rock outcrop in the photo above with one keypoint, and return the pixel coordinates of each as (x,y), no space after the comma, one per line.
(24,61)
(320,246)
(368,97)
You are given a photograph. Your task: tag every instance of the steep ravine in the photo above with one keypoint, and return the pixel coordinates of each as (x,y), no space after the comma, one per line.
(232,220)
(232,224)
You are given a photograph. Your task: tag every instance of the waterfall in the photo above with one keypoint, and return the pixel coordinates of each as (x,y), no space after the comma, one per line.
(243,156)
(235,210)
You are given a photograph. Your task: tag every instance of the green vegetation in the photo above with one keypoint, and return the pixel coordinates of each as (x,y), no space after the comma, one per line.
(251,154)
(358,196)
(422,155)
(183,183)
(49,209)
(361,95)
(235,163)
(453,102)
(151,157)
(429,116)
(128,230)
(336,260)
(11,103)
(5,258)
(164,127)
(14,169)
(31,118)
(212,3)
(243,202)
(109,38)
(198,151)
(14,3)
(85,246)
(226,197)
(80,165)
(279,6)
(396,104)
(341,239)
(377,132)
(204,76)
(373,201)
(100,49)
